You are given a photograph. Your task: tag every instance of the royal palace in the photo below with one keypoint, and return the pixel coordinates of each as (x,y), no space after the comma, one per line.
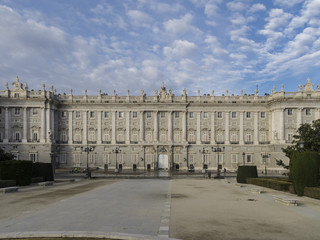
(163,131)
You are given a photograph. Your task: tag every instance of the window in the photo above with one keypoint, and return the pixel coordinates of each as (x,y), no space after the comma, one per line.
(63,136)
(263,114)
(35,136)
(134,114)
(78,115)
(234,137)
(0,110)
(17,135)
(148,114)
(219,114)
(163,114)
(249,158)
(289,111)
(233,114)
(191,137)
(248,137)
(234,158)
(191,115)
(106,114)
(16,95)
(35,111)
(205,115)
(63,114)
(92,114)
(120,114)
(248,114)
(16,111)
(176,114)
(308,112)
(33,157)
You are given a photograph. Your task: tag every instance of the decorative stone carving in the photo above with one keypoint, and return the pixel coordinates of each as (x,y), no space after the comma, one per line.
(308,87)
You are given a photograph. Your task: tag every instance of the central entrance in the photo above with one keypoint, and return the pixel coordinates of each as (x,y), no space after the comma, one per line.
(163,162)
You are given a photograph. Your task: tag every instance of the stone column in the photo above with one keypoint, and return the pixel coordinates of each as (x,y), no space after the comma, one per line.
(299,117)
(184,127)
(281,125)
(255,128)
(99,128)
(6,124)
(43,125)
(48,112)
(70,126)
(128,114)
(113,137)
(241,142)
(213,141)
(52,122)
(85,127)
(198,140)
(156,127)
(227,134)
(25,125)
(269,115)
(170,127)
(273,126)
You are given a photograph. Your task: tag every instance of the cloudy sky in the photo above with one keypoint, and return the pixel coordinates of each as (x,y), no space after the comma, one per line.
(138,44)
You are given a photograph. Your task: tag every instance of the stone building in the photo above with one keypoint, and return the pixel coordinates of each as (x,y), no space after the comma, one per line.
(165,130)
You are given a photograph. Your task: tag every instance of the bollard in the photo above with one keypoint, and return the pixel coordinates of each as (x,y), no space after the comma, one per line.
(209,174)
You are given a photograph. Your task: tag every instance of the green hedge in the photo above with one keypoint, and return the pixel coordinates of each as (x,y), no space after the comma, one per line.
(43,170)
(21,171)
(273,183)
(245,172)
(304,170)
(7,183)
(313,192)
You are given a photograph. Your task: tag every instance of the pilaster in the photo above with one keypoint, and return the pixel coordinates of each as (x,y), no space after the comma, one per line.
(25,125)
(70,127)
(227,121)
(198,140)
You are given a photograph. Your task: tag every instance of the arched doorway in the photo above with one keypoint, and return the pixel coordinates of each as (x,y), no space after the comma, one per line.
(163,162)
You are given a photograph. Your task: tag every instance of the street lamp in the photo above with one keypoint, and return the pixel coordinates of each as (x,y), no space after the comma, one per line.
(301,145)
(243,157)
(87,149)
(116,151)
(264,157)
(218,150)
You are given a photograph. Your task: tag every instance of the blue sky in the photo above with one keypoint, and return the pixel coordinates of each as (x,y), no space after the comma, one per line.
(193,44)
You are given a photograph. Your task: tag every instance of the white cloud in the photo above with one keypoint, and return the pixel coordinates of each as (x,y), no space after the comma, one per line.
(287,3)
(179,26)
(215,45)
(211,9)
(257,7)
(180,48)
(140,18)
(236,6)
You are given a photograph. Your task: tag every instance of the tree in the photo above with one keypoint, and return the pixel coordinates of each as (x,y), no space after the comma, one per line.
(308,135)
(5,156)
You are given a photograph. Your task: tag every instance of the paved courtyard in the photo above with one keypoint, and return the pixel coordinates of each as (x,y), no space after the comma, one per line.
(145,208)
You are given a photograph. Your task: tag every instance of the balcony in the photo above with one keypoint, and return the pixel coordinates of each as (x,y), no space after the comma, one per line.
(248,142)
(106,142)
(220,142)
(264,142)
(92,142)
(62,142)
(192,142)
(121,142)
(14,140)
(77,142)
(234,142)
(205,142)
(134,142)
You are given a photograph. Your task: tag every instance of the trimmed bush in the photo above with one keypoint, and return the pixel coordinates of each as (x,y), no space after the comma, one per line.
(36,179)
(304,170)
(43,170)
(313,192)
(273,183)
(20,171)
(7,183)
(245,172)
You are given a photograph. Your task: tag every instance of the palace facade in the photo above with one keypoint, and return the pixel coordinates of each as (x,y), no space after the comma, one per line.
(149,132)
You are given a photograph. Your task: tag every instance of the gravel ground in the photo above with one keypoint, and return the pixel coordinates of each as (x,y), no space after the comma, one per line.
(215,209)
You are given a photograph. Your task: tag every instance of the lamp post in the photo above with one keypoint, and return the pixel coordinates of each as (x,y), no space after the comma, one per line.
(301,145)
(264,157)
(243,157)
(116,151)
(88,149)
(218,150)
